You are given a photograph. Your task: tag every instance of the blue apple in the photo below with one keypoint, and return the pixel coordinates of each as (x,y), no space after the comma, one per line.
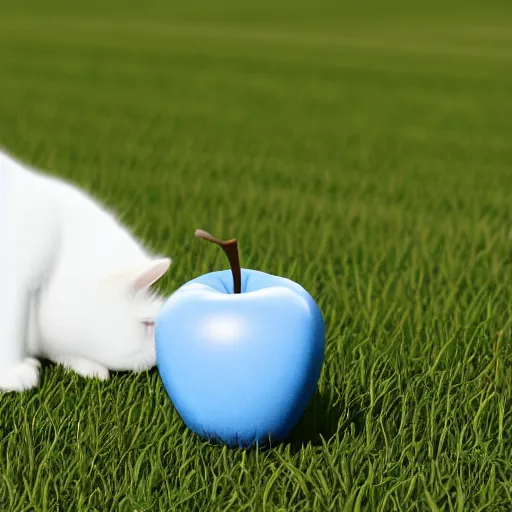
(240,353)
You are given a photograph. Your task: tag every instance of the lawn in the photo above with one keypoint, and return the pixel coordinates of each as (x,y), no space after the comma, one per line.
(362,149)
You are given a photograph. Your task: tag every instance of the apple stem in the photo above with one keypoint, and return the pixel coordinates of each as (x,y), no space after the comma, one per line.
(230,247)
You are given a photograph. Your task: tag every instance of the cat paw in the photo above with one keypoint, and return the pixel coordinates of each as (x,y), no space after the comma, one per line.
(84,367)
(20,377)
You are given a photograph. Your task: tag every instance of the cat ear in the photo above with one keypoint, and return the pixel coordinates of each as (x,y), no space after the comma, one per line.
(154,270)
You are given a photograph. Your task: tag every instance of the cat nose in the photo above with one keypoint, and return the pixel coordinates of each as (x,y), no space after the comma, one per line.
(149,329)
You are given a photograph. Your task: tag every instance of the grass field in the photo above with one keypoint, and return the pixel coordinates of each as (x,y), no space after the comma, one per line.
(362,149)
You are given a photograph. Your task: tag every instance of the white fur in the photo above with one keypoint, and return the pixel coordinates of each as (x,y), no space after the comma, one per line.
(74,283)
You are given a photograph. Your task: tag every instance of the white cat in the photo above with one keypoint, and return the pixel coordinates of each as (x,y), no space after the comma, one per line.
(74,283)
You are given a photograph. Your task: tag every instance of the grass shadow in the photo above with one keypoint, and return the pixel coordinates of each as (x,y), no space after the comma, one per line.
(321,420)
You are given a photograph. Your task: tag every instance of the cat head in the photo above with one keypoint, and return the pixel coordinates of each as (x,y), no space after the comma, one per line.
(115,317)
